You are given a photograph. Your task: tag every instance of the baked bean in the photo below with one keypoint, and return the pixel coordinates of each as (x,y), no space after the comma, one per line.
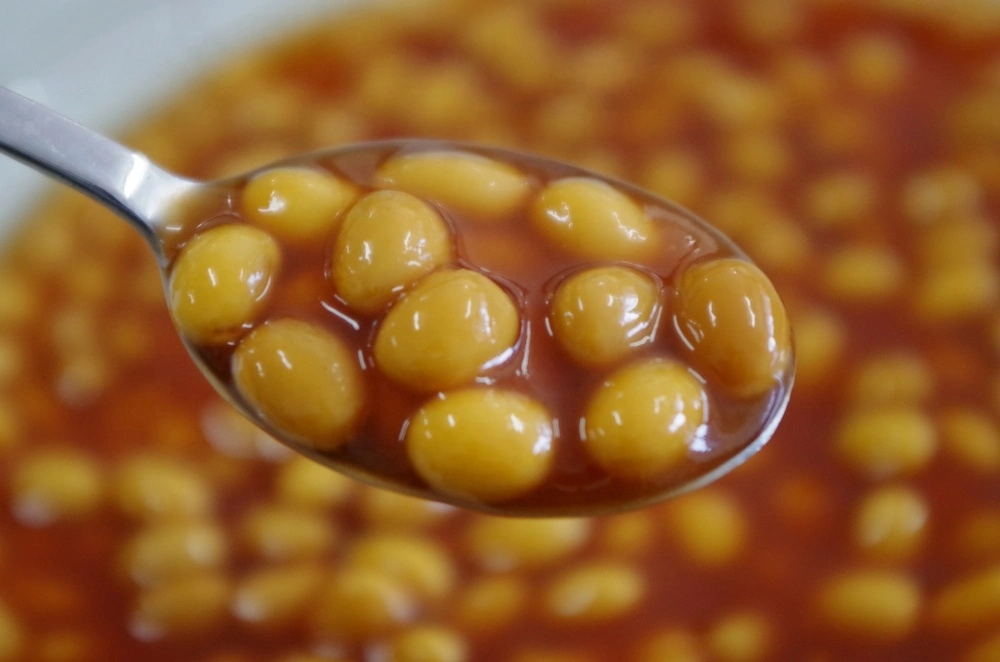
(863,274)
(275,597)
(886,441)
(360,603)
(758,155)
(302,380)
(875,64)
(600,315)
(189,606)
(428,644)
(445,331)
(221,282)
(388,241)
(296,204)
(491,603)
(709,526)
(593,593)
(734,326)
(282,533)
(54,485)
(642,421)
(302,483)
(972,438)
(382,509)
(165,551)
(628,535)
(670,646)
(235,436)
(891,523)
(874,605)
(469,183)
(957,291)
(969,604)
(19,298)
(892,378)
(590,218)
(419,565)
(819,344)
(740,637)
(840,199)
(940,193)
(500,544)
(964,238)
(511,42)
(567,120)
(149,487)
(449,439)
(678,176)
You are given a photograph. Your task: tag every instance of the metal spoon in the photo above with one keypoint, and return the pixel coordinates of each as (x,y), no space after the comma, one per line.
(160,205)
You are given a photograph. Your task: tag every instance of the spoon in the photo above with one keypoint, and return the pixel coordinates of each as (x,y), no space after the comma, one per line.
(472,325)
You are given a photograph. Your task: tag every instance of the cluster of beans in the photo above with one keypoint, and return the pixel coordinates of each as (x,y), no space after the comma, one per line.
(611,323)
(849,146)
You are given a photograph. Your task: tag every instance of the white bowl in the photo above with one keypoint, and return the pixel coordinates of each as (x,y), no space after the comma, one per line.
(104,62)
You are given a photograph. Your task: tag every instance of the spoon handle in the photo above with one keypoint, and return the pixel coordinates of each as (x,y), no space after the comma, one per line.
(126,182)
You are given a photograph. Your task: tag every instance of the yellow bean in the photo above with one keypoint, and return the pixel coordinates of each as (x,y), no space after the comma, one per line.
(294,203)
(590,218)
(709,526)
(872,605)
(491,603)
(734,326)
(221,282)
(740,637)
(283,533)
(891,523)
(642,420)
(150,487)
(470,184)
(168,550)
(507,543)
(55,485)
(188,606)
(358,604)
(428,644)
(275,597)
(601,314)
(446,330)
(594,592)
(302,380)
(886,441)
(970,604)
(388,241)
(481,444)
(418,564)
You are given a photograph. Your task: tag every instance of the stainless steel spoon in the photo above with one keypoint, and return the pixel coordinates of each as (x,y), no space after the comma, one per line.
(158,204)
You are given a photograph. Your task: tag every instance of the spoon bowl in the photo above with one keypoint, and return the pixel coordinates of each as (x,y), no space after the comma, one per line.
(468,324)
